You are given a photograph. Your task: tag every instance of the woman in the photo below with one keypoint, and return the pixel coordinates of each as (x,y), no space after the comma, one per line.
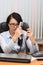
(10,41)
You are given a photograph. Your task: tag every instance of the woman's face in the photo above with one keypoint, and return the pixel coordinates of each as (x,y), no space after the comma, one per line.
(13,25)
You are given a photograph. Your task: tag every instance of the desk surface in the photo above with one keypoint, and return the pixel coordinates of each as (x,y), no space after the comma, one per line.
(35,62)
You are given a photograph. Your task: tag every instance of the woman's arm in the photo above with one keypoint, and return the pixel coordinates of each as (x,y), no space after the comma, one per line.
(33,47)
(31,43)
(7,46)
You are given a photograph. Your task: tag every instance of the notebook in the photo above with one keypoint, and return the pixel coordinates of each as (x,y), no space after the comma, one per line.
(15,57)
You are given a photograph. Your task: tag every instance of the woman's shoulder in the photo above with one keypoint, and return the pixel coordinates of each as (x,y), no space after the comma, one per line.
(4,33)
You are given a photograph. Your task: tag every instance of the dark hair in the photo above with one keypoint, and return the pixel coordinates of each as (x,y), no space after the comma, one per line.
(15,16)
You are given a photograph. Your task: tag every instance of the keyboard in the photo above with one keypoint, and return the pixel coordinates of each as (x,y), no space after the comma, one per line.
(38,55)
(15,58)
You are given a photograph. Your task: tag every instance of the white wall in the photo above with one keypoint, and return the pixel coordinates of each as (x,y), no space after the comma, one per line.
(8,6)
(30,10)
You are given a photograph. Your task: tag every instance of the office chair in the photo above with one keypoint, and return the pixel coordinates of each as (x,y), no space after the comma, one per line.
(3,27)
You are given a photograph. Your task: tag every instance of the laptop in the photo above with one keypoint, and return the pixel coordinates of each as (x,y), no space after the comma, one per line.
(15,58)
(38,55)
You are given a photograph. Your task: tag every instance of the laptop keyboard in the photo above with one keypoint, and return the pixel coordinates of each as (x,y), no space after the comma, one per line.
(38,54)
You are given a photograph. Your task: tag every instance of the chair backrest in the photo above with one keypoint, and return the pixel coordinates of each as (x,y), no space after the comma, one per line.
(1,51)
(3,27)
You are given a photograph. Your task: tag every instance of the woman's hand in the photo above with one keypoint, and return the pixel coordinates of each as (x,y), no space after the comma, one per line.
(17,34)
(30,35)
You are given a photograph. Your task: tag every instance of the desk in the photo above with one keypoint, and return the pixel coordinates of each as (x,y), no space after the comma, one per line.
(35,62)
(40,44)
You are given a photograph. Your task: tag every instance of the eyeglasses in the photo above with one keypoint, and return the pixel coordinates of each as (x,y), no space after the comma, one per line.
(13,24)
